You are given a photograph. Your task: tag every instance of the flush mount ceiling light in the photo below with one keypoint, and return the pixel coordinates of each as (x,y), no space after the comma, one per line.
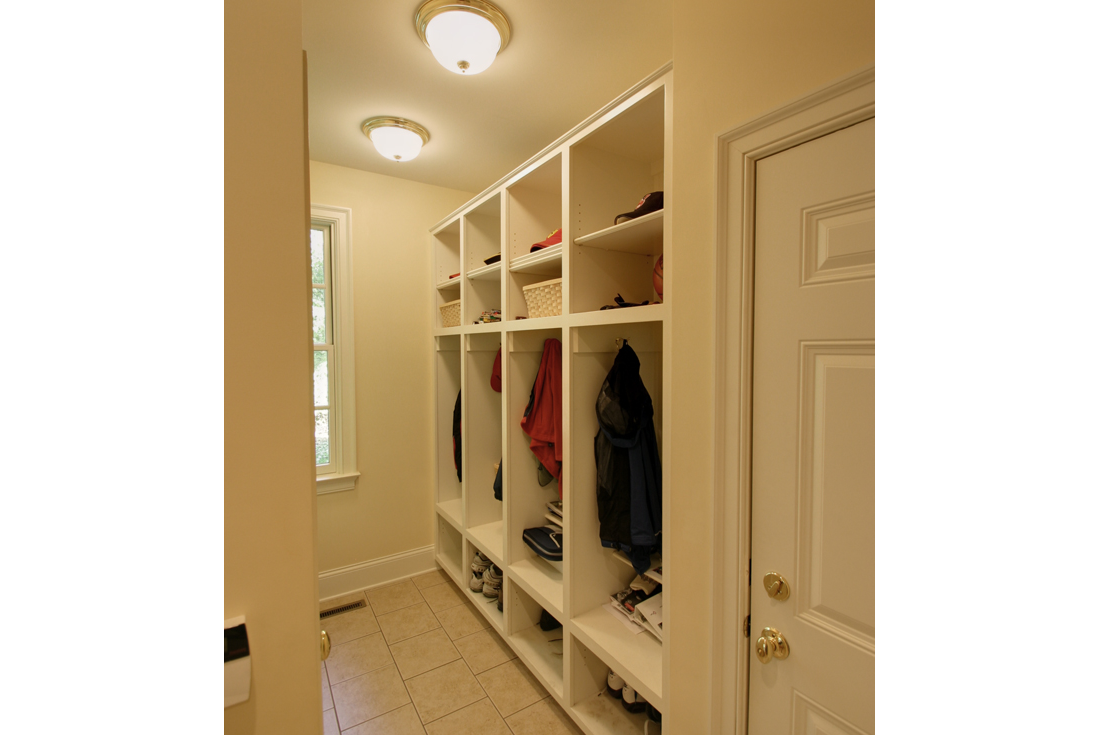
(464,36)
(396,138)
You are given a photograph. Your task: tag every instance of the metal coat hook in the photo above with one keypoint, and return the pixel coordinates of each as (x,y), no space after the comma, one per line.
(619,342)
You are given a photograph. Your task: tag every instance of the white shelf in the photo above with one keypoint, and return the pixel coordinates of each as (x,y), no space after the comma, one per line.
(451,510)
(449,567)
(629,315)
(637,656)
(644,235)
(534,648)
(486,327)
(487,606)
(489,271)
(489,538)
(604,715)
(654,562)
(540,580)
(543,322)
(449,283)
(546,262)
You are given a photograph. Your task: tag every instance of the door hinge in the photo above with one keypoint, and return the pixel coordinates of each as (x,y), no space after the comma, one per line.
(748,625)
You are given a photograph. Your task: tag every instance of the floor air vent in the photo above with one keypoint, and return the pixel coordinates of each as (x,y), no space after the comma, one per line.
(343,609)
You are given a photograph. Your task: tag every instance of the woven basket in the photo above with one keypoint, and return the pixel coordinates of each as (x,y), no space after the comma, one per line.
(543,299)
(451,313)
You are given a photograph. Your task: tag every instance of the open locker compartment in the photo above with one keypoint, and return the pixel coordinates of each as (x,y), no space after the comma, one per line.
(486,605)
(611,170)
(592,706)
(527,499)
(534,212)
(541,650)
(448,371)
(448,548)
(482,240)
(446,261)
(597,572)
(483,446)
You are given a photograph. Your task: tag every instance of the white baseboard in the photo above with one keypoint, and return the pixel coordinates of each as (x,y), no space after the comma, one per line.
(340,581)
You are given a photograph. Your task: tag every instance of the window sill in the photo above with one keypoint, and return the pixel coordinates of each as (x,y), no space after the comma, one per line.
(336,483)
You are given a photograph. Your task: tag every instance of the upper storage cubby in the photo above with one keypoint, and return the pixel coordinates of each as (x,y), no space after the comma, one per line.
(446,262)
(534,214)
(610,172)
(482,243)
(483,239)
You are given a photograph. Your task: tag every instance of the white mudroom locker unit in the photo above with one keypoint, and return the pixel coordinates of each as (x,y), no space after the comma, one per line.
(579,184)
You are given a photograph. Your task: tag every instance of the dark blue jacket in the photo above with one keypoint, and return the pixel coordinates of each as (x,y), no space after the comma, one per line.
(628,466)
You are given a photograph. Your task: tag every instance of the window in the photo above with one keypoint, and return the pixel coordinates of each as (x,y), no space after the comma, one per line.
(333,349)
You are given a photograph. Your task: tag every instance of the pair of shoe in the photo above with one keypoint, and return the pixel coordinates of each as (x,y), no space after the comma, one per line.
(632,701)
(654,719)
(492,580)
(477,569)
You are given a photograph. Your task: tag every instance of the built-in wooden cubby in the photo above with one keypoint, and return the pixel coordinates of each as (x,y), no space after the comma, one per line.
(487,605)
(579,183)
(542,650)
(534,213)
(482,240)
(446,262)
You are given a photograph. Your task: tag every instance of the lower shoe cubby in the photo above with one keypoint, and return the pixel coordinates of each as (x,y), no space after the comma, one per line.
(541,650)
(592,704)
(448,547)
(487,605)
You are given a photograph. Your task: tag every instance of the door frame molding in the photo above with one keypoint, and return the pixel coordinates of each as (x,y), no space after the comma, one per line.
(837,105)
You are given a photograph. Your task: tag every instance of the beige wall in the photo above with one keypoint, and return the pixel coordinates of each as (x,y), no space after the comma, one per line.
(270,509)
(390,510)
(734,60)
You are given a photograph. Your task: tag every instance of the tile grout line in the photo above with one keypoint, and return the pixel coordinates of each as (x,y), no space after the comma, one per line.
(400,676)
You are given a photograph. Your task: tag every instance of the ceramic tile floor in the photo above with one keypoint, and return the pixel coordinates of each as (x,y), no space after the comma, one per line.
(421,661)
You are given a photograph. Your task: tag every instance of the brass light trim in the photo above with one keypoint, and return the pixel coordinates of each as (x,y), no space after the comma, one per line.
(384,121)
(487,10)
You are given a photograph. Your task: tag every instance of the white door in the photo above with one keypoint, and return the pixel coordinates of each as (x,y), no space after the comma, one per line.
(813,471)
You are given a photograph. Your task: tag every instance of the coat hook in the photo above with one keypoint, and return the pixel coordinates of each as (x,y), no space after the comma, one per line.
(619,342)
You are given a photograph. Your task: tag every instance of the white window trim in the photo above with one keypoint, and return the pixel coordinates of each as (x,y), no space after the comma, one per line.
(343,319)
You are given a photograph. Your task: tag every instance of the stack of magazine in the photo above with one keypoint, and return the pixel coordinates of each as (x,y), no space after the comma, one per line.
(641,603)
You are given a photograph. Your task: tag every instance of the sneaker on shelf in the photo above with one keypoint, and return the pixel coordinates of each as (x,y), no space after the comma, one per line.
(632,701)
(500,603)
(652,727)
(652,713)
(476,583)
(493,577)
(615,685)
(479,564)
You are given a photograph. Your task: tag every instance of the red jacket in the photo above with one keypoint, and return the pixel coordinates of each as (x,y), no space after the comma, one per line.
(542,419)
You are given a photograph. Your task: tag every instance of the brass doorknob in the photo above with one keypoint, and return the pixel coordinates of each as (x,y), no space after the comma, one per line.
(326,645)
(776,586)
(771,644)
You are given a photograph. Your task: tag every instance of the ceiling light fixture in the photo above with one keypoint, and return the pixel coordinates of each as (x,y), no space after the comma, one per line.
(464,36)
(396,138)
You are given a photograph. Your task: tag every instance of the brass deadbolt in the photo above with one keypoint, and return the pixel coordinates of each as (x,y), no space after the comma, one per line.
(326,645)
(776,586)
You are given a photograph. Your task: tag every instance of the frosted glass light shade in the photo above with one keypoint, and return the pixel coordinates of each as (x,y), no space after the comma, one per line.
(396,144)
(462,42)
(396,138)
(464,36)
